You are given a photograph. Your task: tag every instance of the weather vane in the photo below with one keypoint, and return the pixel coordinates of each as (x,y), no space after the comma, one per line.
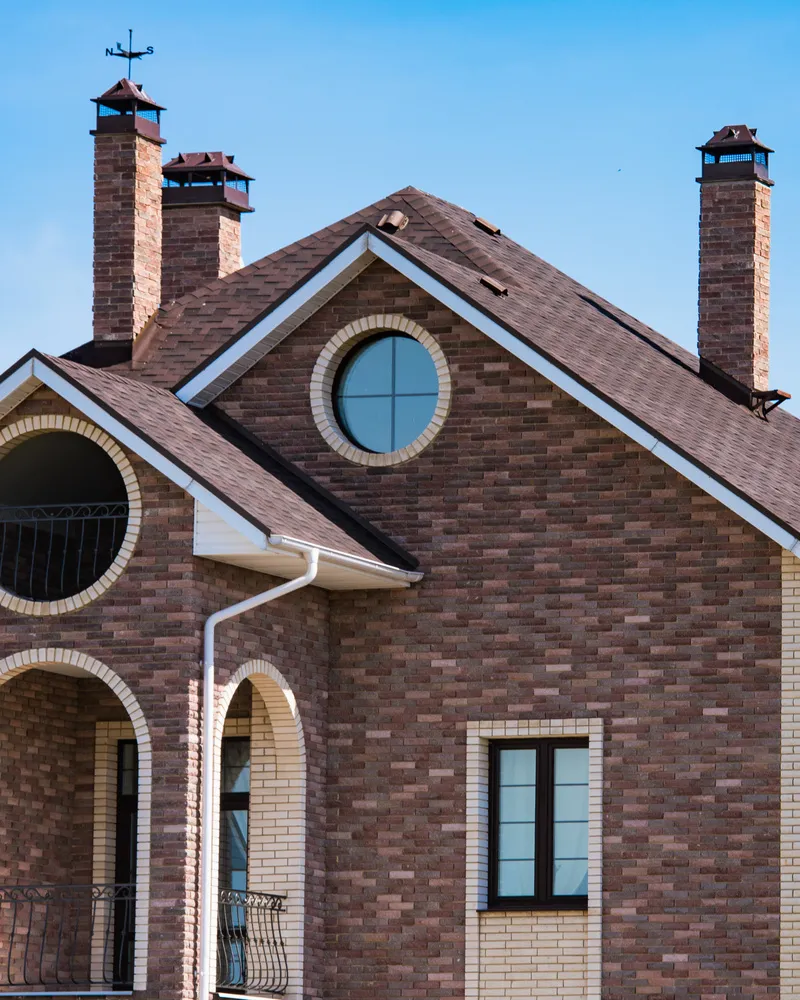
(128,53)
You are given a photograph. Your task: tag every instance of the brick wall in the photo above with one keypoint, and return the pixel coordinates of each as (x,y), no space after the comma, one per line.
(733,330)
(201,243)
(127,234)
(568,572)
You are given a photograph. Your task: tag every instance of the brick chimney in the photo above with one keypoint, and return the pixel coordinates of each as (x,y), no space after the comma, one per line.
(204,196)
(733,328)
(127,212)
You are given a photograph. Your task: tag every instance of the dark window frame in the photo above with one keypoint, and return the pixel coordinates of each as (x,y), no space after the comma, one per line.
(125,865)
(338,397)
(543,899)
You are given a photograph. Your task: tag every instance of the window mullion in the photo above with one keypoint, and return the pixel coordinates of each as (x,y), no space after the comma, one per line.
(544,822)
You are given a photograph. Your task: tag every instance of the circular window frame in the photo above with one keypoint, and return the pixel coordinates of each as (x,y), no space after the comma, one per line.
(326,369)
(13,435)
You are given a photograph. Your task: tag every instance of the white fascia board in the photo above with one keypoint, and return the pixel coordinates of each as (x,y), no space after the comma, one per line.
(278,323)
(17,386)
(369,566)
(100,416)
(531,357)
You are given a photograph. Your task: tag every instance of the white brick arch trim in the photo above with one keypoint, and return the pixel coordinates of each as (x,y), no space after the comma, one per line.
(324,374)
(46,657)
(15,434)
(277,844)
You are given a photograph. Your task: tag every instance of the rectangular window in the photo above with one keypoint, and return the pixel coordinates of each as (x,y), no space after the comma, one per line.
(539,823)
(234,812)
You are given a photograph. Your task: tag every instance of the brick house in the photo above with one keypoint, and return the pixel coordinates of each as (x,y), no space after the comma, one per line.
(394,617)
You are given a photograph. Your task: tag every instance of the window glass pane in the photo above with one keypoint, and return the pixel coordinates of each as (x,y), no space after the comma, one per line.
(128,768)
(515,878)
(518,804)
(572,766)
(518,767)
(571,827)
(415,370)
(516,841)
(369,372)
(571,840)
(233,849)
(412,414)
(570,878)
(236,765)
(368,422)
(571,802)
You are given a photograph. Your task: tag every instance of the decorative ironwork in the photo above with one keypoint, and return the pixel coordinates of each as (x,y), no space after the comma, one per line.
(251,953)
(52,551)
(129,53)
(66,936)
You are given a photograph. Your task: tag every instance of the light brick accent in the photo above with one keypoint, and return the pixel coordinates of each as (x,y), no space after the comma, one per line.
(277,844)
(530,954)
(127,234)
(54,657)
(324,374)
(11,436)
(733,329)
(790,780)
(201,243)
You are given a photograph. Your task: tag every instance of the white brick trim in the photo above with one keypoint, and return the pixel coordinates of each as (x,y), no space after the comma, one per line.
(41,658)
(324,374)
(790,780)
(534,953)
(281,794)
(14,434)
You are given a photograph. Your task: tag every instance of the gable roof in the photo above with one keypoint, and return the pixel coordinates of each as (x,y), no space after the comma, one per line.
(264,500)
(638,380)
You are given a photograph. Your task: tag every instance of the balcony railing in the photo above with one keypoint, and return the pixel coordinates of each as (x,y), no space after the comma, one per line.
(61,937)
(52,551)
(251,954)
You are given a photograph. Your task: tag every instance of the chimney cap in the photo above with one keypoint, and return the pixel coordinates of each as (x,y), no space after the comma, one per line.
(123,92)
(186,163)
(734,136)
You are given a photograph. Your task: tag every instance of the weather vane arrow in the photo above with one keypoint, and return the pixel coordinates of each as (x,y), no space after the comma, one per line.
(129,53)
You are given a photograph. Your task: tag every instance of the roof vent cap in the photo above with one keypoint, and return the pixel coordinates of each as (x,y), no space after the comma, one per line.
(393,221)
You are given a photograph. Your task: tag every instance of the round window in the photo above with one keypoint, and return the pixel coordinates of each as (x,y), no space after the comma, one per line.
(386,392)
(63,516)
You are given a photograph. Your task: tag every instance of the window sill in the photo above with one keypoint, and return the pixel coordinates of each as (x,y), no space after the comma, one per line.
(581,904)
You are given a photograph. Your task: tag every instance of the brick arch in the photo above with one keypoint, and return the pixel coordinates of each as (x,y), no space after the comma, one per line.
(283,796)
(15,434)
(19,663)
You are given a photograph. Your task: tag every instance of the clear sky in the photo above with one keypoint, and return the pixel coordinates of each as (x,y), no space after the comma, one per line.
(569,123)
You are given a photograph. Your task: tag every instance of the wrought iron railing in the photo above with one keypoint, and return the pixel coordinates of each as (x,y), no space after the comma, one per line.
(66,936)
(52,551)
(251,953)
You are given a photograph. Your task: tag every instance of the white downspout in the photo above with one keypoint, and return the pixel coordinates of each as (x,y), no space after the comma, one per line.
(311,556)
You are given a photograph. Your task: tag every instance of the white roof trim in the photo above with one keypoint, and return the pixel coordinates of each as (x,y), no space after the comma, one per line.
(36,372)
(277,324)
(229,366)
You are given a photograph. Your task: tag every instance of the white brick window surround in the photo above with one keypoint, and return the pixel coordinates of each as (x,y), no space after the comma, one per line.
(14,434)
(70,661)
(277,820)
(530,954)
(324,375)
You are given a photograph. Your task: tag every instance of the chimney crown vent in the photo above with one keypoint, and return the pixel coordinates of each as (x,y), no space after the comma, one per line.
(126,107)
(209,178)
(734,153)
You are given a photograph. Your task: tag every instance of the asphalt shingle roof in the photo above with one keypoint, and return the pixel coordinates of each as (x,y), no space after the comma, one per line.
(639,371)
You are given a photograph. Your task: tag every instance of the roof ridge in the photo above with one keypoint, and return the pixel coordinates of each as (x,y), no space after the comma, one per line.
(470,248)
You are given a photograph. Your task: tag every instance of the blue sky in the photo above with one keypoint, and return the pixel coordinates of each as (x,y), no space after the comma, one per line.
(570,124)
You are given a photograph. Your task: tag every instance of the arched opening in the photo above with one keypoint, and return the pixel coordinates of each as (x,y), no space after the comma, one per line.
(75,795)
(63,515)
(260,835)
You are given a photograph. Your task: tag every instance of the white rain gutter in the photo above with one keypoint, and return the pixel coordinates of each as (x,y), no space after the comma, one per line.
(311,556)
